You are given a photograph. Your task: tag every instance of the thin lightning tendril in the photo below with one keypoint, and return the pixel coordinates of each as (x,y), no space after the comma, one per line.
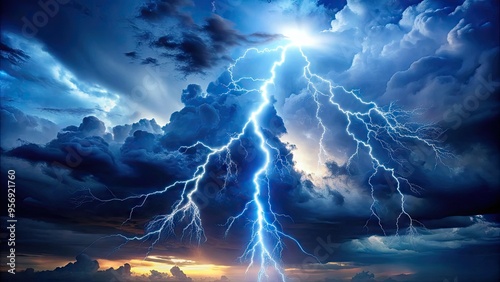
(267,236)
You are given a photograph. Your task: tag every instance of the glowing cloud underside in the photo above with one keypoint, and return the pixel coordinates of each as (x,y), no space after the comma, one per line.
(384,128)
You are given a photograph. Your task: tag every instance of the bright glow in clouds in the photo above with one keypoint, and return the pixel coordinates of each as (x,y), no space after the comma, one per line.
(299,36)
(306,155)
(143,267)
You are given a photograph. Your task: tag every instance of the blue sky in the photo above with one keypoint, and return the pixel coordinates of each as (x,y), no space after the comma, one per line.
(98,99)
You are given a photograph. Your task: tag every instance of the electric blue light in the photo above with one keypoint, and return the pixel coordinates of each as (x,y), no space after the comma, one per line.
(266,240)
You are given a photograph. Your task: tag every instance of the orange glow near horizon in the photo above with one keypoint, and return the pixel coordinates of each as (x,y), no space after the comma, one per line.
(203,269)
(191,268)
(139,266)
(200,266)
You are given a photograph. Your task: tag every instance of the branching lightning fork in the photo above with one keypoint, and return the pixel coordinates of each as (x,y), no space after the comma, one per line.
(267,236)
(391,125)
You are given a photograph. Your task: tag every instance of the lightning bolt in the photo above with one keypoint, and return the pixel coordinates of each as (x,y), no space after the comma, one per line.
(384,128)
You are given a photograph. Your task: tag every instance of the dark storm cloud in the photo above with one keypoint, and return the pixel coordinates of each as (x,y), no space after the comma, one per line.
(200,48)
(194,54)
(83,264)
(149,60)
(179,274)
(419,63)
(160,9)
(338,198)
(131,54)
(85,150)
(336,170)
(221,33)
(98,162)
(121,132)
(192,91)
(14,56)
(262,38)
(88,153)
(94,44)
(191,52)
(364,276)
(211,118)
(166,41)
(428,256)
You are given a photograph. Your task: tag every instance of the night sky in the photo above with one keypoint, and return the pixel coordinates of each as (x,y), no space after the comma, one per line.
(105,101)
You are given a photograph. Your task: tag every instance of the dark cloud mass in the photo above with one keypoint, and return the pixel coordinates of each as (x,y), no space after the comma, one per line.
(160,9)
(112,100)
(200,48)
(14,56)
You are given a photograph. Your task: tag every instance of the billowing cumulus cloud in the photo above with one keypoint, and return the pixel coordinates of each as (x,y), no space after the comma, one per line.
(121,132)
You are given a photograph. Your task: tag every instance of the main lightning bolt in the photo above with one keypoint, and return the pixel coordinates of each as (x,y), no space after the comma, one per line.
(383,127)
